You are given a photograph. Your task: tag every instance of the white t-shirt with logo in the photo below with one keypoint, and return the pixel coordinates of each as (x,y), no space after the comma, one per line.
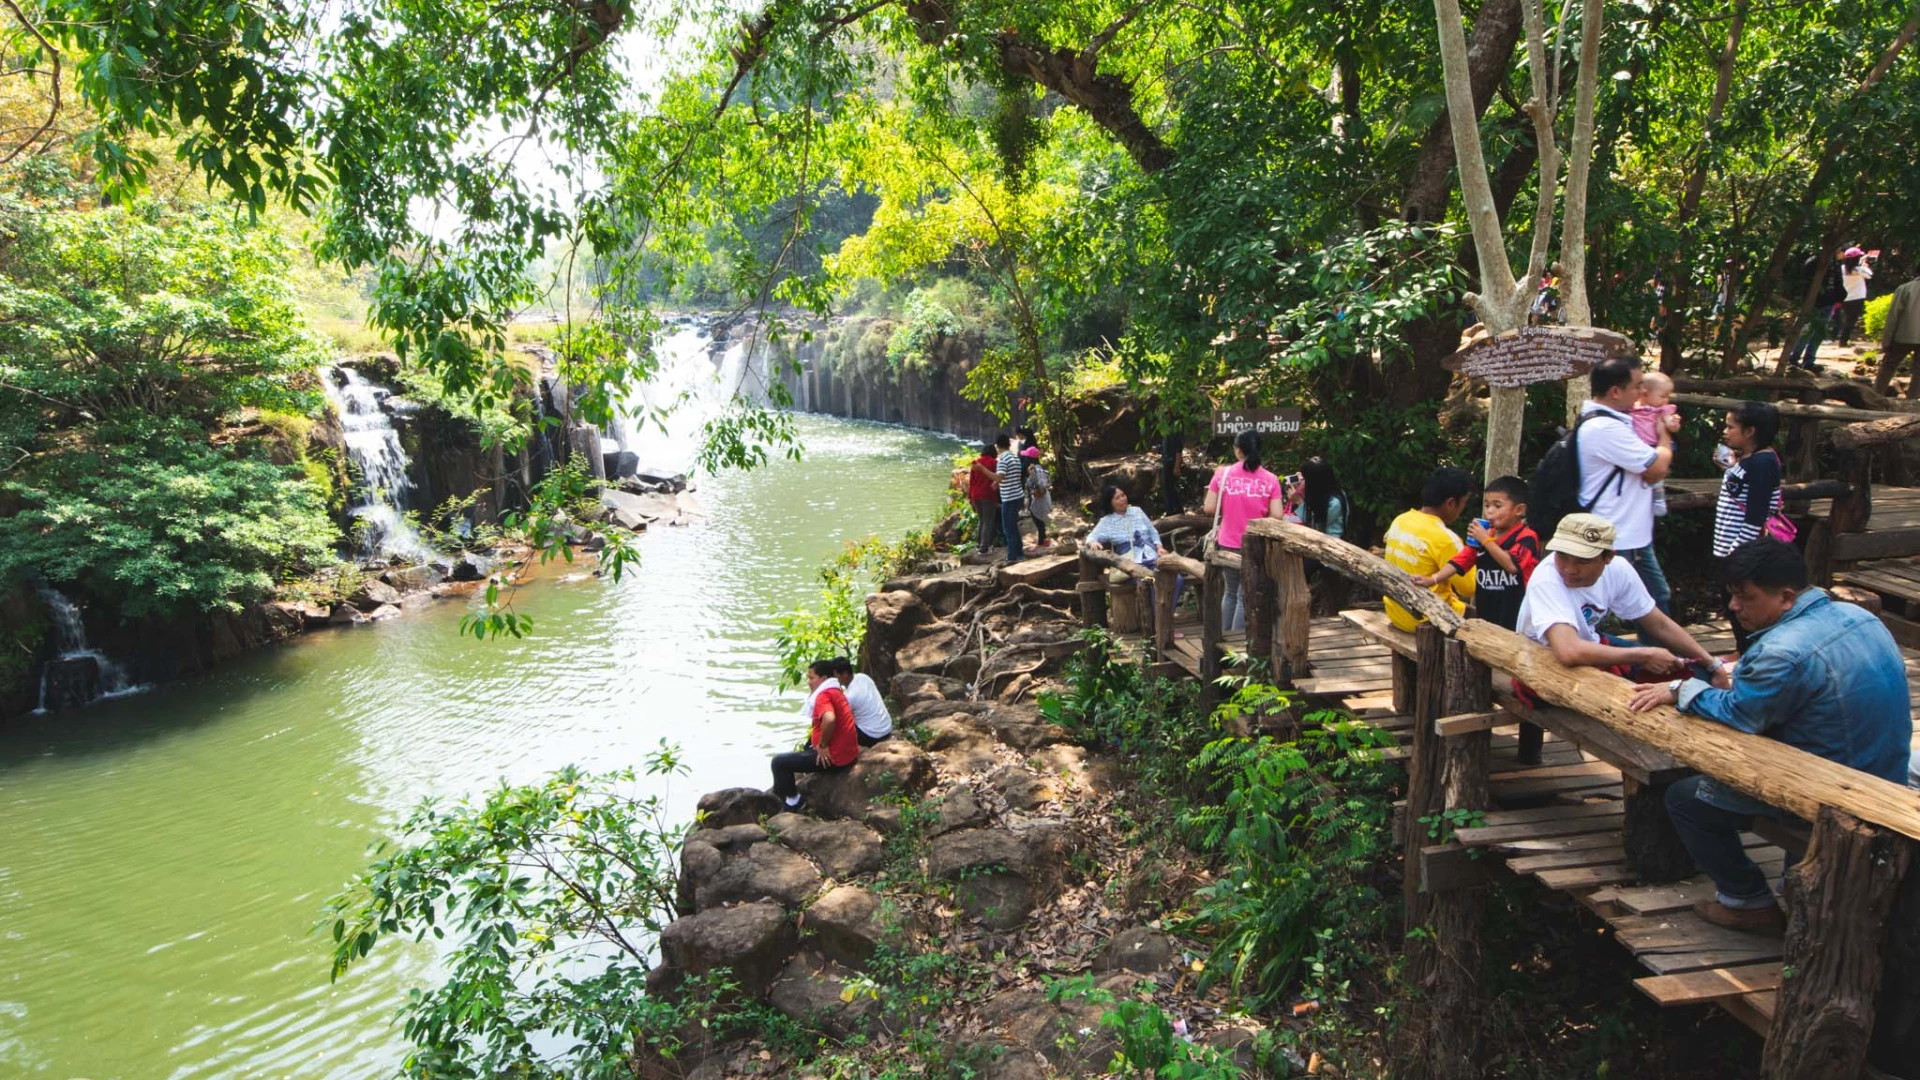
(1550,600)
(869,711)
(1625,500)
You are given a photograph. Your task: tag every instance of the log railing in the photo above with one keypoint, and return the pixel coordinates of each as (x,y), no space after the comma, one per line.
(1144,604)
(1853,935)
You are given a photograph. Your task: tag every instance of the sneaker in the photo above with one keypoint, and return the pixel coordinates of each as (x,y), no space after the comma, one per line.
(797,806)
(1764,920)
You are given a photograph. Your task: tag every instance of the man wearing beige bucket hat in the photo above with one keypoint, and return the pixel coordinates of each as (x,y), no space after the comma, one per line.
(1579,584)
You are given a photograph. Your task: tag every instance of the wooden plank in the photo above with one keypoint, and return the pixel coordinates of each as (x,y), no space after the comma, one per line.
(1585,877)
(1546,772)
(1876,544)
(1673,963)
(1466,722)
(1497,834)
(1337,685)
(1697,987)
(1683,931)
(1767,769)
(1905,631)
(1032,571)
(1549,813)
(1565,860)
(1543,844)
(1381,630)
(1516,790)
(1632,758)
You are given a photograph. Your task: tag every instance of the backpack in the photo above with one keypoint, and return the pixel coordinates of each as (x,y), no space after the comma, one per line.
(1554,491)
(1833,288)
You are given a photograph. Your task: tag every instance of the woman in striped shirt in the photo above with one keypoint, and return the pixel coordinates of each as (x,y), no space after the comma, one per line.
(1750,489)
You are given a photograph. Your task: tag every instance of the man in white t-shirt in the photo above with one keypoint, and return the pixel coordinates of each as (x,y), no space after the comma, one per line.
(1579,584)
(869,709)
(1618,471)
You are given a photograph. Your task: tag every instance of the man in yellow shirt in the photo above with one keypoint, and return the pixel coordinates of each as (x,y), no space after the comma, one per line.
(1420,543)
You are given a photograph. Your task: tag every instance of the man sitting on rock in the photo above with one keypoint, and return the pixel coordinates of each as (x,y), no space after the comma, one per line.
(870,714)
(833,744)
(1819,675)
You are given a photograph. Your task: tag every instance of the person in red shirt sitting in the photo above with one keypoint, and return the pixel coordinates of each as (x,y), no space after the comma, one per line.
(833,744)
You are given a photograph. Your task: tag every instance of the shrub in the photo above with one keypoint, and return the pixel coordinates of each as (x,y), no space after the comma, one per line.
(1875,322)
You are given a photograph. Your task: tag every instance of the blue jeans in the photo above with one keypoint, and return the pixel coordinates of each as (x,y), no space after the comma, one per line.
(1807,349)
(1711,834)
(1010,525)
(1647,565)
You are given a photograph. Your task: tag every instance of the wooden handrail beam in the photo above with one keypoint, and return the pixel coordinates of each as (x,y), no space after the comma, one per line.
(1767,769)
(1838,413)
(1895,429)
(1358,563)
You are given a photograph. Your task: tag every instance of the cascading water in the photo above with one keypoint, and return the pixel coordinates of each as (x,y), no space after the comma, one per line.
(385,490)
(77,675)
(660,421)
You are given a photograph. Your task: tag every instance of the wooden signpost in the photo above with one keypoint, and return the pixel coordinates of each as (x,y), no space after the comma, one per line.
(1514,359)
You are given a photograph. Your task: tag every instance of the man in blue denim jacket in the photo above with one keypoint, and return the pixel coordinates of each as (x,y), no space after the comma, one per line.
(1825,677)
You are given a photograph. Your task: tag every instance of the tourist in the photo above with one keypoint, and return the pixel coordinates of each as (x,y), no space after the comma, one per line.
(1013,496)
(1501,554)
(870,716)
(1901,339)
(1822,676)
(1125,529)
(1420,543)
(1039,490)
(1855,272)
(1833,292)
(1618,471)
(983,492)
(1652,412)
(833,742)
(1572,592)
(1315,499)
(1237,494)
(1750,497)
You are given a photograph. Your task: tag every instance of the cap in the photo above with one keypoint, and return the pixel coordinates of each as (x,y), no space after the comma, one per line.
(1852,253)
(1583,536)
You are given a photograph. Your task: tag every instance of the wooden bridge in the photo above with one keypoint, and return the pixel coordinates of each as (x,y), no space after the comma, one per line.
(1571,794)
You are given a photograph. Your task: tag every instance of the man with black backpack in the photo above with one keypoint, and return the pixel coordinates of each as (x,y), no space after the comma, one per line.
(1602,468)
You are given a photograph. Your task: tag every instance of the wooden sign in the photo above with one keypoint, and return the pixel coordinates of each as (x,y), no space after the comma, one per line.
(1537,354)
(1231,422)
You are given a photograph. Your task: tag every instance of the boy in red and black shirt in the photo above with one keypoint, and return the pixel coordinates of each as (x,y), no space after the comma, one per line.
(1501,555)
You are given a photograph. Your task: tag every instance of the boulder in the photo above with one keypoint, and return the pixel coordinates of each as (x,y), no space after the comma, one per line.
(312,616)
(384,611)
(468,566)
(931,650)
(69,683)
(960,808)
(989,869)
(911,689)
(892,619)
(1107,422)
(703,856)
(814,993)
(948,731)
(1021,727)
(1022,789)
(374,593)
(730,839)
(946,593)
(849,923)
(842,849)
(736,806)
(1066,1032)
(345,615)
(672,483)
(409,579)
(894,765)
(1135,472)
(763,872)
(1142,950)
(965,759)
(620,464)
(753,941)
(922,711)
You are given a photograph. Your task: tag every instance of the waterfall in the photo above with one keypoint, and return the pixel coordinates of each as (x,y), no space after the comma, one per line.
(689,387)
(385,490)
(77,675)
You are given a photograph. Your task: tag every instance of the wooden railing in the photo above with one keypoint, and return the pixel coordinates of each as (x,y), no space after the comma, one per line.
(1853,937)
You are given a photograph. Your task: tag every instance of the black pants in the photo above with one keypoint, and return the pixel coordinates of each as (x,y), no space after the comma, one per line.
(787,766)
(868,740)
(1851,314)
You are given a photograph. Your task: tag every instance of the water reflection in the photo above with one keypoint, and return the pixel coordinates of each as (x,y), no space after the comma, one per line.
(164,856)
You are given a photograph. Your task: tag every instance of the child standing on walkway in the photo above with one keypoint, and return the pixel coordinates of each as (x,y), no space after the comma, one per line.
(1500,554)
(1653,412)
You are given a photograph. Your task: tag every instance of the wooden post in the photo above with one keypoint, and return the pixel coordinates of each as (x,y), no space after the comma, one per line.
(1213,593)
(1447,773)
(1654,850)
(1839,900)
(1896,1027)
(1406,678)
(1256,581)
(1820,552)
(1163,584)
(1093,593)
(1123,610)
(1296,617)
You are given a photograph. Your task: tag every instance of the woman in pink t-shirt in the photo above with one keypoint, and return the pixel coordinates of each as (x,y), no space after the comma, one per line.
(1240,493)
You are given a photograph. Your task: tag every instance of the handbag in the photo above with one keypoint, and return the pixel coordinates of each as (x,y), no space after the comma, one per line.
(1778,525)
(1211,543)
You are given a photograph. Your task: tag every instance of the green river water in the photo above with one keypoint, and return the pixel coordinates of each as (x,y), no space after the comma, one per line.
(164,857)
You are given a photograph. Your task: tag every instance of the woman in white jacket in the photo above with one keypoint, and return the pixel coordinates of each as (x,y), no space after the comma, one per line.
(1855,272)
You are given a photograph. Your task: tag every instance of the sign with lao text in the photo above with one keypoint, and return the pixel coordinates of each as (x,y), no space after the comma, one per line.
(1231,422)
(1537,354)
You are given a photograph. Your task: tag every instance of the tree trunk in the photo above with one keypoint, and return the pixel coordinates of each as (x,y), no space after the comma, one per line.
(1672,355)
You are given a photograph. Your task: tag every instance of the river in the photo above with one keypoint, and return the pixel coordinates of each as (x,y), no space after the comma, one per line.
(165,856)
